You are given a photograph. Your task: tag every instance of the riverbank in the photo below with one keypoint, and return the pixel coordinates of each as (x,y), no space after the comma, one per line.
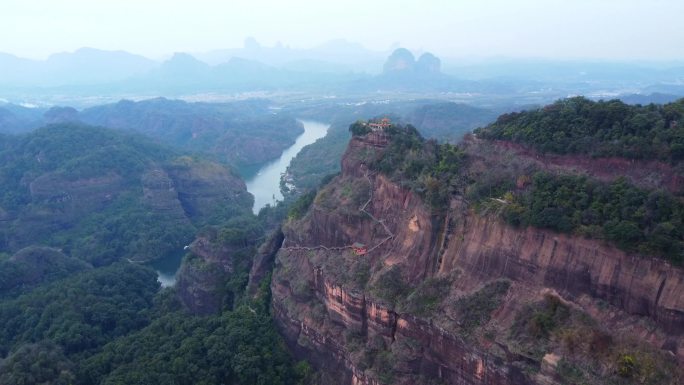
(265,184)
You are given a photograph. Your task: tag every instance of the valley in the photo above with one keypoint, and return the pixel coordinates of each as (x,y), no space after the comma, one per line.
(479,194)
(393,254)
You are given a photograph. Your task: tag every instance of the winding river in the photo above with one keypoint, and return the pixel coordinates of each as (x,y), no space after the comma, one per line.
(263,183)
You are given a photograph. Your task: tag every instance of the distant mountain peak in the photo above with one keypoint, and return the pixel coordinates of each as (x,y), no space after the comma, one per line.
(399,61)
(251,44)
(428,63)
(56,115)
(403,61)
(183,64)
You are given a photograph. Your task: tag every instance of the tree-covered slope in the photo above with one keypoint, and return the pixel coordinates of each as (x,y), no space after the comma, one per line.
(240,133)
(34,266)
(579,194)
(82,312)
(77,309)
(443,121)
(102,195)
(111,325)
(605,128)
(236,347)
(649,222)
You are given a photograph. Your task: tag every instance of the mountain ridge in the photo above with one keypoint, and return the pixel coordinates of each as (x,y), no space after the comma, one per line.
(449,290)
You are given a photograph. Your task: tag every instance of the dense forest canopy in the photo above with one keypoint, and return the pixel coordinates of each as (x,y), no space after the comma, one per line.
(74,306)
(241,133)
(34,266)
(637,220)
(82,312)
(103,195)
(605,128)
(111,326)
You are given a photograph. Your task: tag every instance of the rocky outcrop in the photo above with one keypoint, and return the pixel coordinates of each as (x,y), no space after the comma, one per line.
(485,247)
(57,202)
(207,190)
(333,308)
(159,192)
(102,196)
(650,174)
(203,275)
(440,355)
(199,285)
(428,63)
(85,194)
(263,261)
(400,60)
(403,61)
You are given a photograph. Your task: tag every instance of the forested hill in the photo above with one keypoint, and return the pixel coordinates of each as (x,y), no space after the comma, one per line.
(79,205)
(102,195)
(240,133)
(605,128)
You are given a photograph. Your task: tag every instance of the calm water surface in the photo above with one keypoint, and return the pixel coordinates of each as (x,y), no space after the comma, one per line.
(167,268)
(265,183)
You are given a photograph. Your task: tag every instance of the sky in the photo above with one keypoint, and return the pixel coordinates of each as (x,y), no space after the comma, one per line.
(557,29)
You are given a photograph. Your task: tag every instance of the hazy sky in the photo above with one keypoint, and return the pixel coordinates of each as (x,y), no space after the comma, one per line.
(613,29)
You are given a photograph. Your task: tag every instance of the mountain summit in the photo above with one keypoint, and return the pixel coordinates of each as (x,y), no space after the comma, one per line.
(402,61)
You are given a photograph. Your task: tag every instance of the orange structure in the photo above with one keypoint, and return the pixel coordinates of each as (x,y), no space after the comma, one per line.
(380,126)
(359,248)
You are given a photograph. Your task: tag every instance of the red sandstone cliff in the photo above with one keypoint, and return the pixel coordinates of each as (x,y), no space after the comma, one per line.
(329,302)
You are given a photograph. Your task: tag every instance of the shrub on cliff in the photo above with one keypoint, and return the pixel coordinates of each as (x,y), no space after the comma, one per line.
(359,128)
(430,169)
(589,354)
(301,205)
(427,297)
(476,309)
(390,286)
(650,222)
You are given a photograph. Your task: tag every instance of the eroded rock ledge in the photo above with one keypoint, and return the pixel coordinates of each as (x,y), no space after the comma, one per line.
(330,304)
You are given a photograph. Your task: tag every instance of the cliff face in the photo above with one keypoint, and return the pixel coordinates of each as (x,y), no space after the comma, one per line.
(203,275)
(651,174)
(425,350)
(576,267)
(442,298)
